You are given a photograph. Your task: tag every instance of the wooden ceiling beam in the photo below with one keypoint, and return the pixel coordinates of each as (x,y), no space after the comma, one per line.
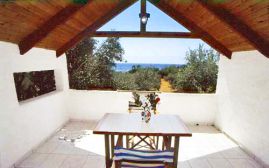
(96,25)
(192,26)
(37,35)
(260,43)
(144,34)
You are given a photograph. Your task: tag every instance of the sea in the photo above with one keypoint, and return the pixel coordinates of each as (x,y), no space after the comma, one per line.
(125,67)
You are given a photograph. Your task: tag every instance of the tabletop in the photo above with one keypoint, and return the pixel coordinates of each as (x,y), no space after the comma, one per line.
(131,124)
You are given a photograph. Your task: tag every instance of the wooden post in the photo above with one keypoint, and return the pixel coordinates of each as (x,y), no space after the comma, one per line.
(119,144)
(108,161)
(127,141)
(163,144)
(166,143)
(112,144)
(169,138)
(176,149)
(143,13)
(157,142)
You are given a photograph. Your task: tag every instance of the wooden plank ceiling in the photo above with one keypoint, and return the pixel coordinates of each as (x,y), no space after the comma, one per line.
(60,24)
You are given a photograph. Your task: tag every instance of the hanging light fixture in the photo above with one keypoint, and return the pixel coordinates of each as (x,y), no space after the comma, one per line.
(144,18)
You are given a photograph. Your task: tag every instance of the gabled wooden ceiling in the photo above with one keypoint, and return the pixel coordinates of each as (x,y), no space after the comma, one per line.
(232,25)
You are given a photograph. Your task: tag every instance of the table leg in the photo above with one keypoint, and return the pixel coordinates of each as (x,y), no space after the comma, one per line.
(112,145)
(164,147)
(157,142)
(127,141)
(108,162)
(169,142)
(176,149)
(166,142)
(119,144)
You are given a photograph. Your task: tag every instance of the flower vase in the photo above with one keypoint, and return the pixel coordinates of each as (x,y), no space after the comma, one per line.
(146,116)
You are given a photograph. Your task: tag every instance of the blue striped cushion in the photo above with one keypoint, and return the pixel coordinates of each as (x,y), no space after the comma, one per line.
(165,156)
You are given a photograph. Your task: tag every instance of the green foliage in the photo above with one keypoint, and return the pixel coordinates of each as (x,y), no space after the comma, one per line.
(168,70)
(135,68)
(78,60)
(147,79)
(136,97)
(124,81)
(200,73)
(141,79)
(88,69)
(105,57)
(152,97)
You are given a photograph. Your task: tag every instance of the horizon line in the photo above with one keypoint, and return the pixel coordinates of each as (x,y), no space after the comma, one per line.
(147,63)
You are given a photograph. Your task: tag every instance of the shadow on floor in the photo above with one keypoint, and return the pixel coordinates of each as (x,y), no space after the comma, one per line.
(74,146)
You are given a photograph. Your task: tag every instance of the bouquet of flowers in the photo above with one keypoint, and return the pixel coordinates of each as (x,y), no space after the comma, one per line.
(148,103)
(154,99)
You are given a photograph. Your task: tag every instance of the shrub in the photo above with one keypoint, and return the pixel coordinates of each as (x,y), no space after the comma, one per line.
(135,68)
(147,79)
(200,73)
(90,67)
(124,81)
(168,70)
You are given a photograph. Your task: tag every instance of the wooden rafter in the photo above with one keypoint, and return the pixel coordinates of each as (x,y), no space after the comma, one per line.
(238,25)
(93,27)
(144,34)
(193,27)
(37,35)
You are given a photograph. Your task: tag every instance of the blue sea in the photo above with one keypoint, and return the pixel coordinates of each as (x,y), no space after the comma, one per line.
(125,67)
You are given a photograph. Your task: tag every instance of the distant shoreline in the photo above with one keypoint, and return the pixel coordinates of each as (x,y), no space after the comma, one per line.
(147,63)
(125,67)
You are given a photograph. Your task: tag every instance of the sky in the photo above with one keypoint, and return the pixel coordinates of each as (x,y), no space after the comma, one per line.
(151,50)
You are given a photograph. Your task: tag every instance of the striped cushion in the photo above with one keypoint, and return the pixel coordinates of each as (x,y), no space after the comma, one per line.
(165,156)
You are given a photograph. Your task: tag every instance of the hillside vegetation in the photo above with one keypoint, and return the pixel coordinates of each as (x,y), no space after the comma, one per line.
(90,67)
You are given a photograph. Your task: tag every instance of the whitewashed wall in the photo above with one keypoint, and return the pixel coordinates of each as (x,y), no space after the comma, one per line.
(92,105)
(243,98)
(240,108)
(25,125)
(192,108)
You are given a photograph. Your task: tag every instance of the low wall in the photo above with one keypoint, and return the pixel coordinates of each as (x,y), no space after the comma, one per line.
(92,105)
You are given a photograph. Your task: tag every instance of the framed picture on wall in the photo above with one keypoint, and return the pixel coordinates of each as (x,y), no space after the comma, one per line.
(34,83)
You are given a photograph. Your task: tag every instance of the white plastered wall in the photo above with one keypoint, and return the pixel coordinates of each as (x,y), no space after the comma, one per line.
(243,98)
(25,125)
(242,109)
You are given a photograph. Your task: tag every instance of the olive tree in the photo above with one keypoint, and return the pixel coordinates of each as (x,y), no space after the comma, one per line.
(91,67)
(200,73)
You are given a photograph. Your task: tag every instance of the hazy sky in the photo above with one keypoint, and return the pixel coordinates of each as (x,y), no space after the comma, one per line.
(151,50)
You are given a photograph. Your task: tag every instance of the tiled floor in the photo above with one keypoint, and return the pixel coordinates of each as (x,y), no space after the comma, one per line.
(206,149)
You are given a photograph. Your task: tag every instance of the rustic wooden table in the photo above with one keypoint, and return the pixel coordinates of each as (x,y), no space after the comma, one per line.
(166,126)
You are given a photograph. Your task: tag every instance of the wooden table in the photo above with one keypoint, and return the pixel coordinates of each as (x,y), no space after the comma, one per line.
(166,126)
